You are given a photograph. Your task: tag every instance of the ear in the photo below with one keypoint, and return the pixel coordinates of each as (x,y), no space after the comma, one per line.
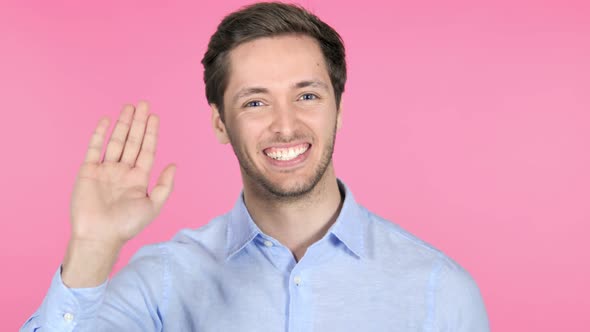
(218,125)
(339,116)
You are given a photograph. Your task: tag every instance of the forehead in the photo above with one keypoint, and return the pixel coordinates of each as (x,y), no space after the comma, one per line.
(275,62)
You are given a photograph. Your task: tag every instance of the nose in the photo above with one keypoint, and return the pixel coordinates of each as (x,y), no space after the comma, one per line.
(284,119)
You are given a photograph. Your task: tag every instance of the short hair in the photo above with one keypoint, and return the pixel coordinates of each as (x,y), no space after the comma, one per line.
(267,19)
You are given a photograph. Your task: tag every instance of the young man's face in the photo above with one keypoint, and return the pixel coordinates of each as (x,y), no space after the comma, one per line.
(280,114)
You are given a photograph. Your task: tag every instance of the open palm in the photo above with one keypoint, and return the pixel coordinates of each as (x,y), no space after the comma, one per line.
(110,201)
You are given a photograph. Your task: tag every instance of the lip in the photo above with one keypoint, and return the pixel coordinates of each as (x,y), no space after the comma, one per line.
(286,146)
(287,164)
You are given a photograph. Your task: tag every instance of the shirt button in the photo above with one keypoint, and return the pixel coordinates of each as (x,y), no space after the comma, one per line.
(297,280)
(268,243)
(68,317)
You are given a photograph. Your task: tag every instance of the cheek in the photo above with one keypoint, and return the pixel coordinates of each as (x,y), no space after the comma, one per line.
(321,124)
(248,134)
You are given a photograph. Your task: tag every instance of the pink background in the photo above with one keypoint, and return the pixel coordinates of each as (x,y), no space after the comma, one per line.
(467,124)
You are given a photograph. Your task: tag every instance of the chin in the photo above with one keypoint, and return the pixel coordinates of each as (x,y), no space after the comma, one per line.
(292,186)
(292,191)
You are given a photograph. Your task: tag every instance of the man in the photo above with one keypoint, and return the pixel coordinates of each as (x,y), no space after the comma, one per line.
(296,253)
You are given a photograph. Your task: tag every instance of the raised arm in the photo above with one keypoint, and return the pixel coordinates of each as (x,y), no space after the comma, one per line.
(110,205)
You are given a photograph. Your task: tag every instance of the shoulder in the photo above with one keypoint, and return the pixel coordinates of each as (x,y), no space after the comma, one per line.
(186,246)
(457,301)
(453,294)
(390,244)
(385,237)
(203,243)
(208,235)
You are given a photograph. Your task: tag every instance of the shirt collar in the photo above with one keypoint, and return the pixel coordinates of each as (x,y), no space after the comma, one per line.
(348,227)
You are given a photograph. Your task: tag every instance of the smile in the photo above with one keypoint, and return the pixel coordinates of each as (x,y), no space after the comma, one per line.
(286,153)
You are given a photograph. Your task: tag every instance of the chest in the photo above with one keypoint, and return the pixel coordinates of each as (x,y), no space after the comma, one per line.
(313,299)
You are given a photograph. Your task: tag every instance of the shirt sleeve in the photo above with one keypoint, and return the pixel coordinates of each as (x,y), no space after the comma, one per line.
(130,301)
(460,306)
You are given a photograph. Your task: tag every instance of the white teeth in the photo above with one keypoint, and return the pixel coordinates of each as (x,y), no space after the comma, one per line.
(287,154)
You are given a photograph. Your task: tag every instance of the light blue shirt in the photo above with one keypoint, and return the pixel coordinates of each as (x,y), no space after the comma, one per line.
(365,274)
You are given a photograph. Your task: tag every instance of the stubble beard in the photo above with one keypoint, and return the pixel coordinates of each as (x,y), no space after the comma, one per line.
(270,190)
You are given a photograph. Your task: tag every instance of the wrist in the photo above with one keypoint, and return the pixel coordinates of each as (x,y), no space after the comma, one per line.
(88,263)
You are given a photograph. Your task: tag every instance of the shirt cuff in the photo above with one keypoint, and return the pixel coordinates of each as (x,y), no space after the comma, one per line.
(64,307)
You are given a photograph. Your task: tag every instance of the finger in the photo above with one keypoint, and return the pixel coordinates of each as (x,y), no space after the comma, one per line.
(96,141)
(119,135)
(145,160)
(135,137)
(163,188)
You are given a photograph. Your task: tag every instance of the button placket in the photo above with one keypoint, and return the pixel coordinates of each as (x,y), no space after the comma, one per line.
(300,316)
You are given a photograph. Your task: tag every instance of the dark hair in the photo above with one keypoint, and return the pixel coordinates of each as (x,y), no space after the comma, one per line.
(267,19)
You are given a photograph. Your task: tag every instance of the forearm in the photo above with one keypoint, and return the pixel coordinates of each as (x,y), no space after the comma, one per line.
(127,302)
(66,309)
(88,264)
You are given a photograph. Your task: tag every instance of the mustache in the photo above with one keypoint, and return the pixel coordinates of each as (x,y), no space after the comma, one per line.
(279,138)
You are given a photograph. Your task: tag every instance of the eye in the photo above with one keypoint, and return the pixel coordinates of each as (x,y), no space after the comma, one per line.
(253,103)
(308,96)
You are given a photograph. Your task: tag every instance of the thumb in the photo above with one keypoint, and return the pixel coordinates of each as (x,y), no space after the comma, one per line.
(164,187)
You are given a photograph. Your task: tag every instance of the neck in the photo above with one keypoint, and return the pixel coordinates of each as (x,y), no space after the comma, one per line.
(299,222)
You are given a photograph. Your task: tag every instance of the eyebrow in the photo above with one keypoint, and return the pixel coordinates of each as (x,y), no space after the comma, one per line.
(314,84)
(245,92)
